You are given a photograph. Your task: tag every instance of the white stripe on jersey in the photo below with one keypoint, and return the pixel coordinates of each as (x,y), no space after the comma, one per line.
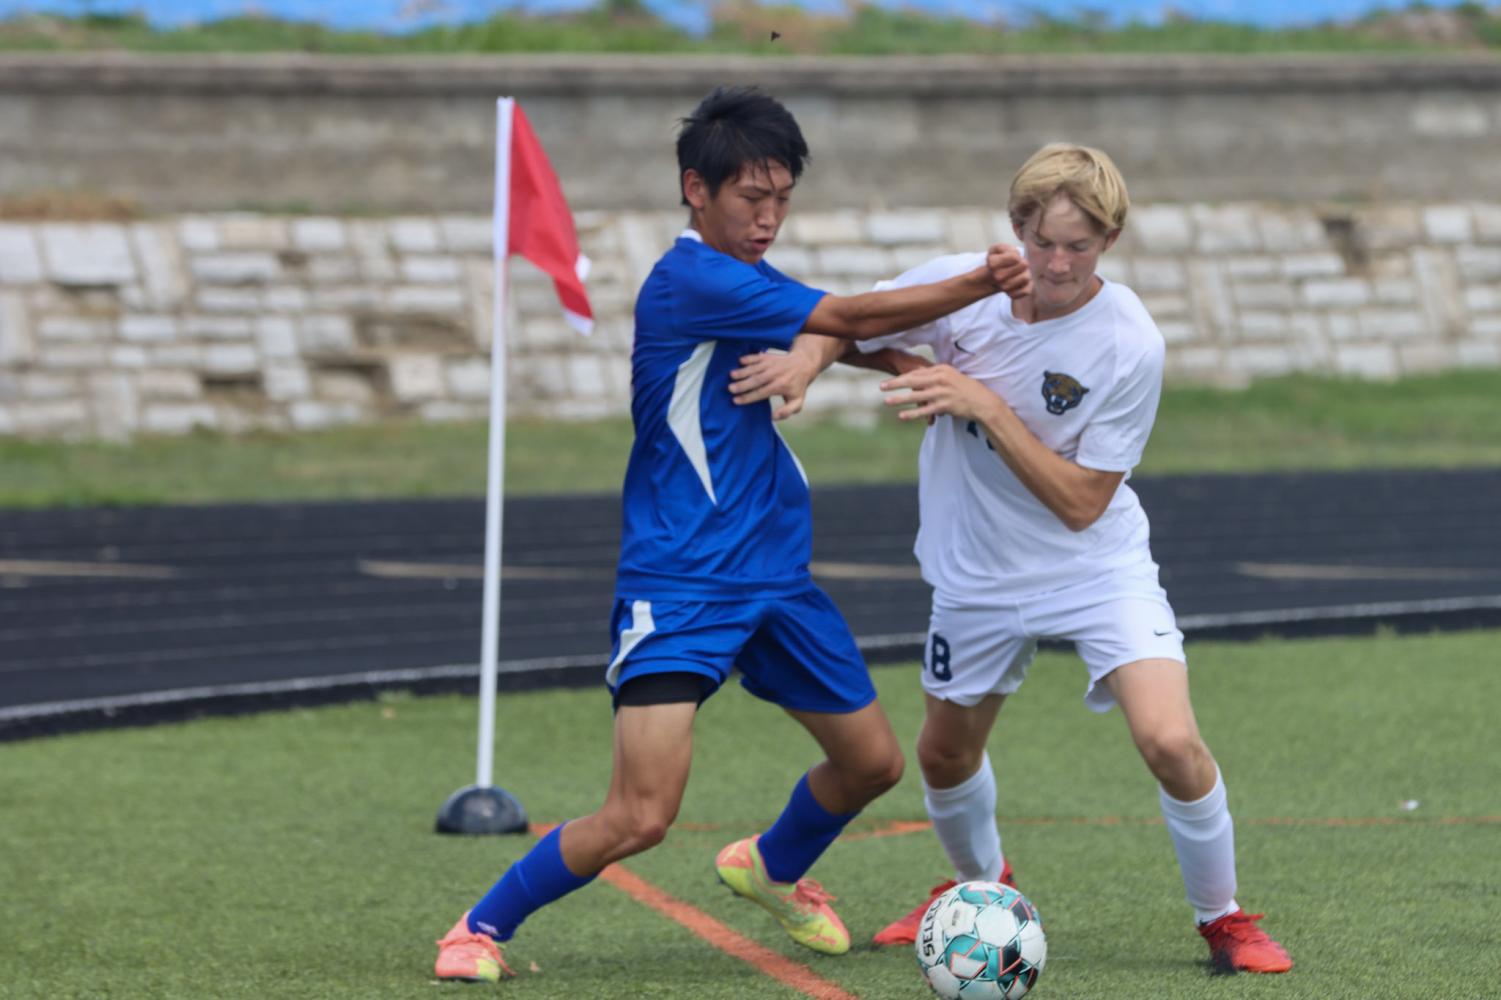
(683,413)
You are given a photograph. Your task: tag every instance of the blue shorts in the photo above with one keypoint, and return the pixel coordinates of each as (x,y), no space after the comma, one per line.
(796,652)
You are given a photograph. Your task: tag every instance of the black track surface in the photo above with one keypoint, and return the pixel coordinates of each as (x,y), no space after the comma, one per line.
(226,595)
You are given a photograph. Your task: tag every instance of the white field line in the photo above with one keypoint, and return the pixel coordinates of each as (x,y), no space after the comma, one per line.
(1343,571)
(54,568)
(909,571)
(394,569)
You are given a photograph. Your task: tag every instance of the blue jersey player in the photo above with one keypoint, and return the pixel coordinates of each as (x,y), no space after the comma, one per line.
(713,570)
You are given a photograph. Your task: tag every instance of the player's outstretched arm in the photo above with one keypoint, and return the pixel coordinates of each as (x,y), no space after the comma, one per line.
(761,376)
(838,319)
(1078,496)
(877,314)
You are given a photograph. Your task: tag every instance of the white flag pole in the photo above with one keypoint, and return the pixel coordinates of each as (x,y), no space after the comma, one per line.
(495,478)
(482,808)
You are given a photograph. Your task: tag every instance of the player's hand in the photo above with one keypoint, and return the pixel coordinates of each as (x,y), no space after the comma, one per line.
(761,376)
(938,390)
(1009,271)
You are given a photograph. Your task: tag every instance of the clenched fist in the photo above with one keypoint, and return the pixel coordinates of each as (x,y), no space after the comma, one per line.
(1009,270)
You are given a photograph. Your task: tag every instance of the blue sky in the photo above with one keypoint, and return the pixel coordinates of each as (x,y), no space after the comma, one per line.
(386,15)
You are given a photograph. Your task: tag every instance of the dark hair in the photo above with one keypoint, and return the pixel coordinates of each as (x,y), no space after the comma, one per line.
(736,127)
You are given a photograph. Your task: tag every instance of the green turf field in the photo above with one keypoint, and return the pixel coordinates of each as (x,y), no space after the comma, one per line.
(1294,422)
(291,854)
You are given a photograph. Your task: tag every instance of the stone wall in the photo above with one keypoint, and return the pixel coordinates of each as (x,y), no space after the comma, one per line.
(383,136)
(238,321)
(1329,213)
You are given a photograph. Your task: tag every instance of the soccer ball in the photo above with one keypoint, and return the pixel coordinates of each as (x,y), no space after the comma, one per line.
(981,940)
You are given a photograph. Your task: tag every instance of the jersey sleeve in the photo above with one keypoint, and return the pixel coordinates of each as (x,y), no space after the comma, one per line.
(731,300)
(1117,436)
(937,269)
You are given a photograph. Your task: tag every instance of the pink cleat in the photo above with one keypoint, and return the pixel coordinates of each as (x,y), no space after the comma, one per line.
(470,957)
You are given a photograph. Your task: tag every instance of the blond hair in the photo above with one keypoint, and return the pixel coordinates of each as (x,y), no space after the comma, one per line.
(1088,176)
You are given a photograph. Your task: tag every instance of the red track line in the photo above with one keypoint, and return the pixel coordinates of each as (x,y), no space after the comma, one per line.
(893,829)
(784,970)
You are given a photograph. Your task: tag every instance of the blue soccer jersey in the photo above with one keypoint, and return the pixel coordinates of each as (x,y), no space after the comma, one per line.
(716,505)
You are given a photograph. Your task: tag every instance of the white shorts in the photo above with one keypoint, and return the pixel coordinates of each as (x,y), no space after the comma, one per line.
(1119,618)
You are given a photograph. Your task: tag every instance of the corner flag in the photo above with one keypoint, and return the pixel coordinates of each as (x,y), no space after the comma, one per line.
(532,219)
(541,227)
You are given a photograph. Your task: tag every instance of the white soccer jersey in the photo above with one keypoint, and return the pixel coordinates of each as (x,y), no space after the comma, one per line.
(1086,385)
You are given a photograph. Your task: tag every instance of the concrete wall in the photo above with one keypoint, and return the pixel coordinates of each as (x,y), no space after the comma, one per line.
(234,321)
(314,249)
(370,136)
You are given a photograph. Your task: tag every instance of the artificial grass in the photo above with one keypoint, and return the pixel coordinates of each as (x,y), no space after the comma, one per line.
(291,853)
(1293,422)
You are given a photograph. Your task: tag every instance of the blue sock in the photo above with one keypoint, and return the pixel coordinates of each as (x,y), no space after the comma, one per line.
(802,833)
(527,886)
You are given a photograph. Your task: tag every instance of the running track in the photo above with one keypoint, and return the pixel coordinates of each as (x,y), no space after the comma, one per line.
(111,615)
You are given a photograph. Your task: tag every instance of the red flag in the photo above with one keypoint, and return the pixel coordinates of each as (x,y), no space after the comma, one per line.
(541,227)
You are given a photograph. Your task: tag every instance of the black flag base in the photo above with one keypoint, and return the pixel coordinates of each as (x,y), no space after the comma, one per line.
(480,809)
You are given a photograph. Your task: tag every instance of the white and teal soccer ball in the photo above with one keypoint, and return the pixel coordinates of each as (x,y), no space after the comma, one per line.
(981,941)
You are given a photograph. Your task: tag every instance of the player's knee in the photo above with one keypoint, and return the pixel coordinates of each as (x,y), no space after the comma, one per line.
(1170,752)
(946,763)
(636,830)
(877,774)
(649,833)
(891,771)
(644,833)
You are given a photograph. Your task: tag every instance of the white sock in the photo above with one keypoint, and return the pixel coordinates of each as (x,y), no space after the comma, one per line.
(964,819)
(1204,837)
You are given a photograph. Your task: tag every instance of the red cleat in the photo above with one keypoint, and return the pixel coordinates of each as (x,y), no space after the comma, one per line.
(1236,944)
(904,931)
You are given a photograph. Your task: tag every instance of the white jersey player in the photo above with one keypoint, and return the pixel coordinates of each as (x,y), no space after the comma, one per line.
(1039,408)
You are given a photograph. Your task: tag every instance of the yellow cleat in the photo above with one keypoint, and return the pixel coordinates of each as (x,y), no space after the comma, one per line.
(801,907)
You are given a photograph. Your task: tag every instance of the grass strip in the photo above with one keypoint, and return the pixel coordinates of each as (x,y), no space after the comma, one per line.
(1295,422)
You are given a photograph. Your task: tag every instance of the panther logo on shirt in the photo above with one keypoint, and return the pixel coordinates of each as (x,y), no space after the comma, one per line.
(1062,392)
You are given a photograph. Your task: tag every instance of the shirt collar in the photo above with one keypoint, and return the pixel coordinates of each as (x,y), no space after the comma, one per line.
(690,234)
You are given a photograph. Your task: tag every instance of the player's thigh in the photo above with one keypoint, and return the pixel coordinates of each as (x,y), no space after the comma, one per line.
(975,653)
(803,658)
(696,637)
(652,756)
(653,747)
